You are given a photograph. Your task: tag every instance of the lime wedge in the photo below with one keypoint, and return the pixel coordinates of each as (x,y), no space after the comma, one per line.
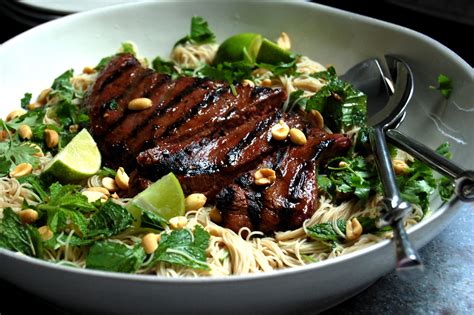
(79,159)
(164,197)
(240,47)
(273,54)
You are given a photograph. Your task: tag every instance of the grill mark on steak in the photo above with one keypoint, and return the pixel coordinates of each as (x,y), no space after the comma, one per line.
(213,140)
(291,199)
(142,82)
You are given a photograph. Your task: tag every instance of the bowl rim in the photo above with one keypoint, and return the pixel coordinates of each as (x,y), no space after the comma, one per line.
(245,277)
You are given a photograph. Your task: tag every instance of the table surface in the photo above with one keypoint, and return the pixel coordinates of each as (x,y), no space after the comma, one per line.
(447,286)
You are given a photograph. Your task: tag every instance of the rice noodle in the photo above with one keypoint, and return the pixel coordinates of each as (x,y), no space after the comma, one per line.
(228,252)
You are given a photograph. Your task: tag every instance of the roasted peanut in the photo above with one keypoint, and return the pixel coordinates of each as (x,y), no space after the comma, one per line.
(353,229)
(316,118)
(24,131)
(122,178)
(284,41)
(150,242)
(297,136)
(265,176)
(400,167)
(43,96)
(110,184)
(266,83)
(195,202)
(140,103)
(178,222)
(15,113)
(45,233)
(51,137)
(88,70)
(28,216)
(21,169)
(102,190)
(280,131)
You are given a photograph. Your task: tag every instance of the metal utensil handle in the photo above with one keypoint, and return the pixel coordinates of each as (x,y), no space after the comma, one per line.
(424,154)
(395,208)
(464,179)
(409,263)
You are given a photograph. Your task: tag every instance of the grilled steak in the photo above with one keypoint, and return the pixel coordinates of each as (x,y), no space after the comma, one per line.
(213,140)
(291,199)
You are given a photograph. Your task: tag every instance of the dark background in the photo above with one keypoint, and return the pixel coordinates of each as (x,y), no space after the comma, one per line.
(447,286)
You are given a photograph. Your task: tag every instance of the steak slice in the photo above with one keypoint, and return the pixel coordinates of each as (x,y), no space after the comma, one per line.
(291,199)
(182,110)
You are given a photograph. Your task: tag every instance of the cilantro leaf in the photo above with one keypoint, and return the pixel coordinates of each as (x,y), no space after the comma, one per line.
(184,248)
(445,184)
(14,153)
(25,101)
(113,256)
(200,33)
(111,219)
(19,237)
(164,67)
(445,86)
(341,105)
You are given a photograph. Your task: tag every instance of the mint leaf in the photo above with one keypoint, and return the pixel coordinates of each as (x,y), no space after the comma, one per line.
(19,237)
(326,232)
(113,256)
(111,219)
(152,220)
(184,248)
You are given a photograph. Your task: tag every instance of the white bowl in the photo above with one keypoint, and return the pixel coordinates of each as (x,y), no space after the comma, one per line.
(31,61)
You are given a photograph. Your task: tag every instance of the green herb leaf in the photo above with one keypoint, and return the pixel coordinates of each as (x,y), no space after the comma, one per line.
(113,256)
(105,171)
(26,100)
(19,237)
(164,67)
(183,248)
(445,86)
(152,220)
(111,219)
(326,231)
(14,153)
(36,185)
(200,33)
(128,48)
(341,105)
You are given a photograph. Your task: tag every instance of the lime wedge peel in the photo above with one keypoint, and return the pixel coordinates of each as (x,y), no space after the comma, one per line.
(164,197)
(79,159)
(251,47)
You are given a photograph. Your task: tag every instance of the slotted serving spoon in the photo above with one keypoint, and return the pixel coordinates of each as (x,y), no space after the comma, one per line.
(383,111)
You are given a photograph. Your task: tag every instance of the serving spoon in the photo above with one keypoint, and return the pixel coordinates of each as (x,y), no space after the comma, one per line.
(383,111)
(368,77)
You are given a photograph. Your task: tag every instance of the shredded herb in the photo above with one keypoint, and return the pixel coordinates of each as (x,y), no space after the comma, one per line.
(25,101)
(200,33)
(445,86)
